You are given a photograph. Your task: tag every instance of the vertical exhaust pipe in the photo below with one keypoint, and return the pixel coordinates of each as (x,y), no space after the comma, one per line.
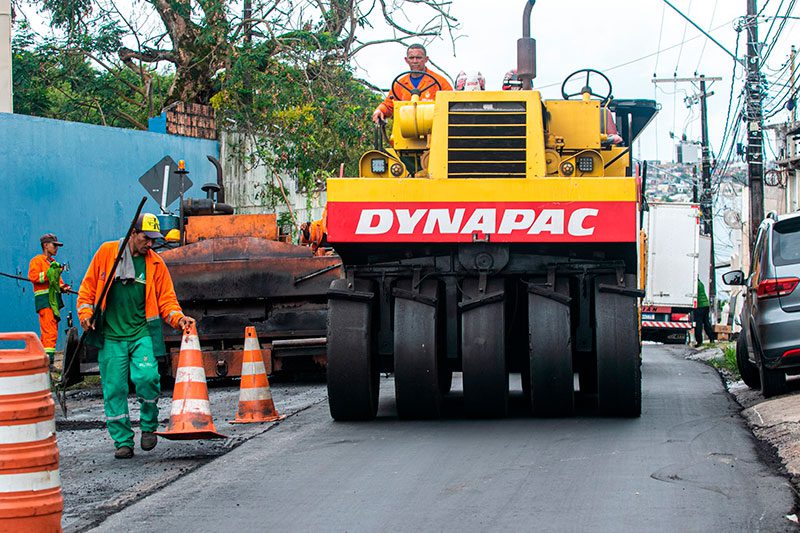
(526,50)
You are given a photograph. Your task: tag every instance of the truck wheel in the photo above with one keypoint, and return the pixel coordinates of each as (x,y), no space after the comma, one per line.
(483,350)
(550,353)
(417,350)
(747,370)
(773,382)
(353,373)
(619,371)
(445,379)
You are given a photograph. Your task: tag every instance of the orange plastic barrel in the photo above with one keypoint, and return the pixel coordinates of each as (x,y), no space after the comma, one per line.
(30,486)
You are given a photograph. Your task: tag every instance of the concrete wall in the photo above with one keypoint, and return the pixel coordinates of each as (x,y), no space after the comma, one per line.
(251,189)
(80,182)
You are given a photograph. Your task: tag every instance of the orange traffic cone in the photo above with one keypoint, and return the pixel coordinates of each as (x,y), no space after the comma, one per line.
(190,416)
(255,398)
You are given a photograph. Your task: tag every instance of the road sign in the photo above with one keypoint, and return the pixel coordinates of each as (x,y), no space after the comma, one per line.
(163,185)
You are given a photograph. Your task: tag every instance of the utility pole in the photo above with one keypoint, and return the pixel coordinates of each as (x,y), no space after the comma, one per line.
(707,204)
(792,56)
(6,94)
(754,120)
(706,198)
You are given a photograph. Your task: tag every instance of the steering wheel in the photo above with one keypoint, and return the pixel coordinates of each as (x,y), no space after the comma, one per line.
(587,88)
(412,90)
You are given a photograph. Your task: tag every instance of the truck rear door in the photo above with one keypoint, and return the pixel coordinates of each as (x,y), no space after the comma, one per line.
(673,251)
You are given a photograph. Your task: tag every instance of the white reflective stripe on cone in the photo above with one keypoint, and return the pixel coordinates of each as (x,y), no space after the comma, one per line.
(46,479)
(251,343)
(27,432)
(190,406)
(190,342)
(190,373)
(25,384)
(251,395)
(251,369)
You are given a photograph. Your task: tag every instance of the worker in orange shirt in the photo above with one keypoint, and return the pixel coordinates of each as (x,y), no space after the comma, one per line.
(45,274)
(315,234)
(416,58)
(128,329)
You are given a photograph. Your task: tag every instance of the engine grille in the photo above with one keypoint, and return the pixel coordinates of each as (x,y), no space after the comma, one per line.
(486,140)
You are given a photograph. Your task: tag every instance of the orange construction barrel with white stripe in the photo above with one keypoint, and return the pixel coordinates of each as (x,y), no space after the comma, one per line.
(30,485)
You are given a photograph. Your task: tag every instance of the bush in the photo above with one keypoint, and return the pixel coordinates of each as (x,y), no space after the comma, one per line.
(727,363)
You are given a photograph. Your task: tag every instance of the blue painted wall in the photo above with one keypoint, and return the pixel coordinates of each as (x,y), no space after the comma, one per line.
(80,182)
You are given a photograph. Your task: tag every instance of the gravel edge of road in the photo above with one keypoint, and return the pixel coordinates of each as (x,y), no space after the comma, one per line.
(128,498)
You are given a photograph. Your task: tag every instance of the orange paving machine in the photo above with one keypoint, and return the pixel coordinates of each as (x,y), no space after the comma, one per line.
(233,272)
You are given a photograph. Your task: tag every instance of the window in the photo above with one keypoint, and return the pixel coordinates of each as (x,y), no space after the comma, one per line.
(786,242)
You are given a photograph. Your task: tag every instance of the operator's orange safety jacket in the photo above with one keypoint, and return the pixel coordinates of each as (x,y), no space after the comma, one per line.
(37,273)
(317,231)
(160,300)
(387,106)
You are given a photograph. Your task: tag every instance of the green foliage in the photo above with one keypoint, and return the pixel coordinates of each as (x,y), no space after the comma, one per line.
(66,13)
(304,125)
(727,363)
(282,77)
(52,83)
(285,220)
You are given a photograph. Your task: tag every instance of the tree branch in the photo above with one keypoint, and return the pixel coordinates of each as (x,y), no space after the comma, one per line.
(147,55)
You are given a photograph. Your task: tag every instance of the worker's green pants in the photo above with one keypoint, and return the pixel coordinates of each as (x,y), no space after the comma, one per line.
(117,360)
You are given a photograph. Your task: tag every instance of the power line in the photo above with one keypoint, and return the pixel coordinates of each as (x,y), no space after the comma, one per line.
(660,34)
(781,26)
(704,32)
(772,24)
(648,56)
(703,50)
(683,39)
(730,97)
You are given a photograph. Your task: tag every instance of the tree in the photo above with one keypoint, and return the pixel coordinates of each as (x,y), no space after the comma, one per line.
(276,70)
(199,38)
(53,83)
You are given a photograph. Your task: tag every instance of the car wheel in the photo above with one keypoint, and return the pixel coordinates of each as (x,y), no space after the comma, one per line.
(773,382)
(747,370)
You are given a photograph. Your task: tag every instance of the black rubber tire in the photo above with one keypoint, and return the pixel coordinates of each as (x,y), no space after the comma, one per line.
(417,353)
(353,373)
(773,382)
(748,371)
(552,389)
(71,365)
(166,378)
(483,353)
(619,370)
(445,379)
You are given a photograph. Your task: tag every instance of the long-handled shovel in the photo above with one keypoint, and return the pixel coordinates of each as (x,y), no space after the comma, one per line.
(70,376)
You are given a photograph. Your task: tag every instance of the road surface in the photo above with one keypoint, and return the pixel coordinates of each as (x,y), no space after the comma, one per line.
(689,463)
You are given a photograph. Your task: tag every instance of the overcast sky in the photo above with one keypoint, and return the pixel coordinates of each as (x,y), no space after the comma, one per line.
(618,37)
(629,40)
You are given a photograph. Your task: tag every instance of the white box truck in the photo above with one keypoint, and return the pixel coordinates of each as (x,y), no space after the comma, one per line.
(677,256)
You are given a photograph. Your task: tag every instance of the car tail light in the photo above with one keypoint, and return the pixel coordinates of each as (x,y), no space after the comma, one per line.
(791,353)
(769,288)
(679,317)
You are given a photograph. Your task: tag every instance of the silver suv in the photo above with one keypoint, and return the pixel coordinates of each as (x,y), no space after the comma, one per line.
(769,344)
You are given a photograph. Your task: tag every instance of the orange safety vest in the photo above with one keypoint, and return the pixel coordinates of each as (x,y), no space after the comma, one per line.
(160,301)
(37,273)
(387,106)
